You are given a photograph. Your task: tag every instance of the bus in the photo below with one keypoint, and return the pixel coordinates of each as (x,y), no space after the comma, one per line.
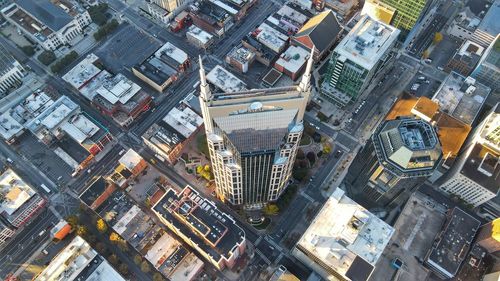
(45,188)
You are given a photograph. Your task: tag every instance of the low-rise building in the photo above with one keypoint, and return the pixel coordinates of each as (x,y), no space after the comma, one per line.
(292,61)
(159,13)
(130,166)
(452,244)
(168,137)
(11,71)
(342,7)
(19,202)
(114,95)
(461,97)
(320,32)
(224,81)
(465,59)
(263,54)
(347,247)
(6,232)
(211,232)
(240,58)
(78,261)
(163,67)
(212,16)
(198,37)
(97,193)
(51,23)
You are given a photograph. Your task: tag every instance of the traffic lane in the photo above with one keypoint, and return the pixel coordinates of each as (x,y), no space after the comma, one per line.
(296,267)
(97,169)
(318,125)
(289,219)
(26,169)
(21,247)
(269,251)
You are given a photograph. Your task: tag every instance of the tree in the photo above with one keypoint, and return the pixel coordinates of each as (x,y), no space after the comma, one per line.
(327,148)
(271,209)
(113,259)
(100,247)
(311,157)
(137,259)
(28,50)
(145,267)
(72,220)
(46,57)
(301,154)
(205,172)
(157,277)
(123,269)
(101,226)
(426,54)
(81,230)
(64,62)
(299,173)
(438,37)
(105,30)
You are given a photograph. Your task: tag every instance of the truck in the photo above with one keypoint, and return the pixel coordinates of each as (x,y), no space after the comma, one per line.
(44,187)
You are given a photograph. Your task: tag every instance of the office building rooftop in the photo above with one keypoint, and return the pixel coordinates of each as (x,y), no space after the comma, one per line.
(490,23)
(49,14)
(293,59)
(198,219)
(483,159)
(241,54)
(461,97)
(200,35)
(130,159)
(225,80)
(453,243)
(183,120)
(78,261)
(350,244)
(367,42)
(14,192)
(407,146)
(83,72)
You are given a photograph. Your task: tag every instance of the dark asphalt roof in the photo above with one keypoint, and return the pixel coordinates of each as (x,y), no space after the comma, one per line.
(46,12)
(323,30)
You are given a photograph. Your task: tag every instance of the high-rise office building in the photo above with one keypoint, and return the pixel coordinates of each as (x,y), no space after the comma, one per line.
(168,5)
(474,176)
(253,137)
(356,60)
(11,71)
(407,12)
(400,155)
(488,69)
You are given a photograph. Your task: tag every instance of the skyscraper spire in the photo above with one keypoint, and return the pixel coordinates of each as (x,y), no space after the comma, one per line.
(306,77)
(204,88)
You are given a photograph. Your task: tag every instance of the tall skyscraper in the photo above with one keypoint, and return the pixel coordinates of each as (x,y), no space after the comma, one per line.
(488,69)
(168,5)
(253,137)
(475,175)
(400,155)
(356,60)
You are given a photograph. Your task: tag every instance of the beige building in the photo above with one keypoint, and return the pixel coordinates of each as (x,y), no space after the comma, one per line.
(253,137)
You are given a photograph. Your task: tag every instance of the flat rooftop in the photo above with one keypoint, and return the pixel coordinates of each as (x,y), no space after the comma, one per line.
(156,69)
(9,126)
(163,137)
(483,158)
(118,89)
(184,120)
(271,37)
(414,231)
(350,244)
(241,54)
(411,145)
(53,16)
(461,97)
(367,42)
(130,159)
(200,35)
(215,232)
(293,59)
(14,191)
(93,191)
(83,72)
(78,261)
(490,22)
(453,243)
(225,80)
